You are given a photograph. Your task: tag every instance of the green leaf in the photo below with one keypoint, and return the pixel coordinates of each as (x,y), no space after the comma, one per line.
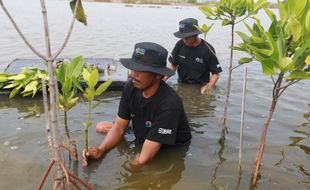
(14,92)
(17,77)
(293,27)
(13,84)
(80,15)
(77,84)
(66,88)
(298,75)
(258,49)
(286,64)
(270,14)
(86,75)
(260,4)
(268,67)
(283,12)
(103,87)
(307,21)
(3,78)
(31,86)
(226,22)
(257,40)
(245,60)
(75,67)
(93,80)
(204,28)
(299,7)
(28,93)
(207,11)
(61,73)
(281,46)
(89,94)
(250,29)
(71,103)
(244,37)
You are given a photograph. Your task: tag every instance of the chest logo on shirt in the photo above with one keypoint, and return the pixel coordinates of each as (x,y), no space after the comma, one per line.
(199,60)
(148,124)
(164,131)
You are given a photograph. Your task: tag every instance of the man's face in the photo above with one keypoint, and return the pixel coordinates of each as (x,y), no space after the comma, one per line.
(142,79)
(189,41)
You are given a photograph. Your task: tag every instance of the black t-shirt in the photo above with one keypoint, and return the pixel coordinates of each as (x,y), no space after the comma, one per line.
(194,63)
(160,118)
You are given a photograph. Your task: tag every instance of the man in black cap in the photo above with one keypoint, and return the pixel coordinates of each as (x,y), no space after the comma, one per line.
(155,109)
(194,58)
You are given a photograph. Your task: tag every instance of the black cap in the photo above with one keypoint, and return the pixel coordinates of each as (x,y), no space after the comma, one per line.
(148,56)
(187,28)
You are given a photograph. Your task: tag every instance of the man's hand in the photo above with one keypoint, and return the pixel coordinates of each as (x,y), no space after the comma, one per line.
(206,88)
(92,153)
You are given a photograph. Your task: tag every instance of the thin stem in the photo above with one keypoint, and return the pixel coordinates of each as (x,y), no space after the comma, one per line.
(66,125)
(21,34)
(286,86)
(69,32)
(87,125)
(46,31)
(46,174)
(242,115)
(224,118)
(47,127)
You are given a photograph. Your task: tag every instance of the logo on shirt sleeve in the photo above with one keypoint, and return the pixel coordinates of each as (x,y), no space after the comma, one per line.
(148,124)
(164,131)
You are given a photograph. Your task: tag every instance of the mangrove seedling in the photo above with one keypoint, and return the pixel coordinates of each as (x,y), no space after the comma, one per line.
(91,76)
(231,12)
(29,80)
(283,52)
(68,76)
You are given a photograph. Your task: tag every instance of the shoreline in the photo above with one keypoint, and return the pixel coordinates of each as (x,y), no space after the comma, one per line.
(193,3)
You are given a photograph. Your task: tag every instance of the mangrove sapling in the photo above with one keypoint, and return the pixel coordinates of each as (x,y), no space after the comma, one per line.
(68,75)
(62,174)
(231,12)
(283,52)
(91,76)
(29,80)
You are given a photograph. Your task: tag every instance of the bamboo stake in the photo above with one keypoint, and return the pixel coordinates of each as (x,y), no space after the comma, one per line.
(242,115)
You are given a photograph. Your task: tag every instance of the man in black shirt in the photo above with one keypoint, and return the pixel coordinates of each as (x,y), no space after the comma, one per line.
(194,58)
(156,111)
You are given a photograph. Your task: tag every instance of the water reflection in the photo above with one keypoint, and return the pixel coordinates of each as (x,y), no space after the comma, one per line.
(162,173)
(32,107)
(198,107)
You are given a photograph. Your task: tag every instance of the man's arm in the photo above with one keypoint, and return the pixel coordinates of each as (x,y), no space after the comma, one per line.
(209,86)
(172,67)
(113,137)
(149,150)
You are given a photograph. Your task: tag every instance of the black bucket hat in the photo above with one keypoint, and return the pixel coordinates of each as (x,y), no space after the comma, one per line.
(148,56)
(187,28)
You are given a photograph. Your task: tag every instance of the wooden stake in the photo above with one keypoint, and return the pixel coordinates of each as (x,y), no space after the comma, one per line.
(242,116)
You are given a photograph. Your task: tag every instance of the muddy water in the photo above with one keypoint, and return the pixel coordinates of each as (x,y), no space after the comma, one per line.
(111,32)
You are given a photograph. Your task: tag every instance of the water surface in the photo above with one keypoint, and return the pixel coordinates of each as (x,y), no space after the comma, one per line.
(112,31)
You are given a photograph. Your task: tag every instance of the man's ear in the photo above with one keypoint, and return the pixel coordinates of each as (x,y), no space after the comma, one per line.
(159,77)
